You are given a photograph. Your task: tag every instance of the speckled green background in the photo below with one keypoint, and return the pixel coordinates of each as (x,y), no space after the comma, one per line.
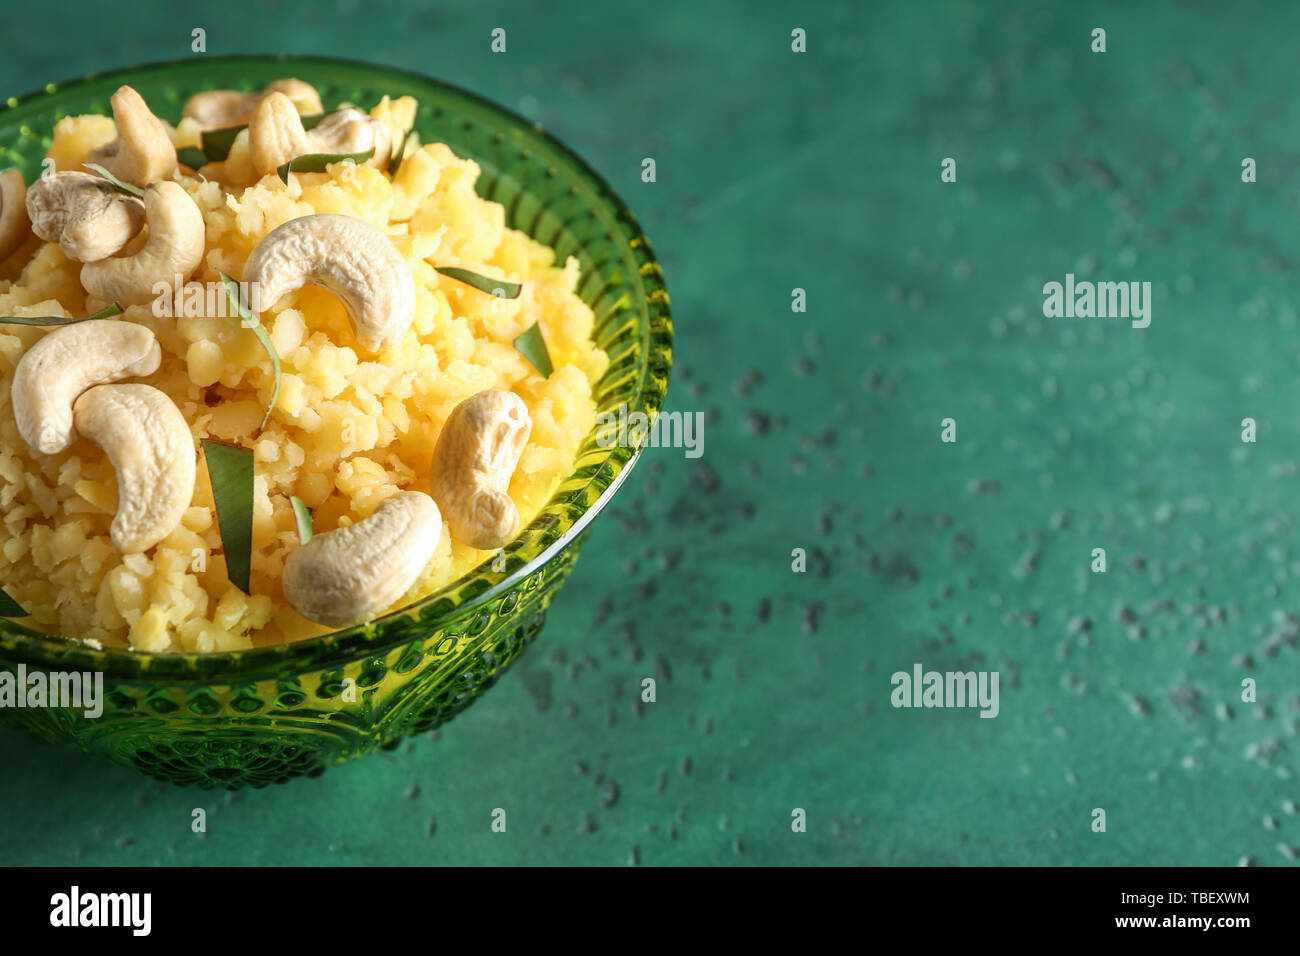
(821,171)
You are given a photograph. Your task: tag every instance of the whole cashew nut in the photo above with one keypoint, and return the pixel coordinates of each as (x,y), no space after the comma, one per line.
(351,574)
(345,255)
(143,152)
(174,248)
(276,135)
(350,130)
(218,108)
(473,462)
(145,437)
(66,362)
(13,212)
(84,214)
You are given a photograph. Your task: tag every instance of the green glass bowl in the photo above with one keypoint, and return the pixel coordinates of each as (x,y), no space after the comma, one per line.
(250,718)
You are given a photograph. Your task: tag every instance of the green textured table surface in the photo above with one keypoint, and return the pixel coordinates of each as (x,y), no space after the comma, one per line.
(820,170)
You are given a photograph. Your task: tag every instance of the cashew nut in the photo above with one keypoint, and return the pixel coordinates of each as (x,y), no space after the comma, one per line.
(84,214)
(218,108)
(66,362)
(350,130)
(145,437)
(143,152)
(347,256)
(174,248)
(276,135)
(473,461)
(350,574)
(13,212)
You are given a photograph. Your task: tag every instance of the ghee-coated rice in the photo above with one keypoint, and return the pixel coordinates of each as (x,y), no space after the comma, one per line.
(349,428)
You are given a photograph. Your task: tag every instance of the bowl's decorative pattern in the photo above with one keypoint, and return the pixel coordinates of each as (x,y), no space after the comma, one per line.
(268,715)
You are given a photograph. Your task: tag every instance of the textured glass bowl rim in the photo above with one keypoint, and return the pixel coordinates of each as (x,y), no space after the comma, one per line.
(35,648)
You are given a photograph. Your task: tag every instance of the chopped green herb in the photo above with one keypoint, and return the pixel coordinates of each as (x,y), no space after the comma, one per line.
(316,162)
(532,346)
(230,468)
(217,142)
(396,161)
(44,321)
(9,607)
(301,514)
(249,321)
(192,156)
(497,287)
(116,183)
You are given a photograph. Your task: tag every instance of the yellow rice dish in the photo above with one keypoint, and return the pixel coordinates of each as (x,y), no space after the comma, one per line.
(349,428)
